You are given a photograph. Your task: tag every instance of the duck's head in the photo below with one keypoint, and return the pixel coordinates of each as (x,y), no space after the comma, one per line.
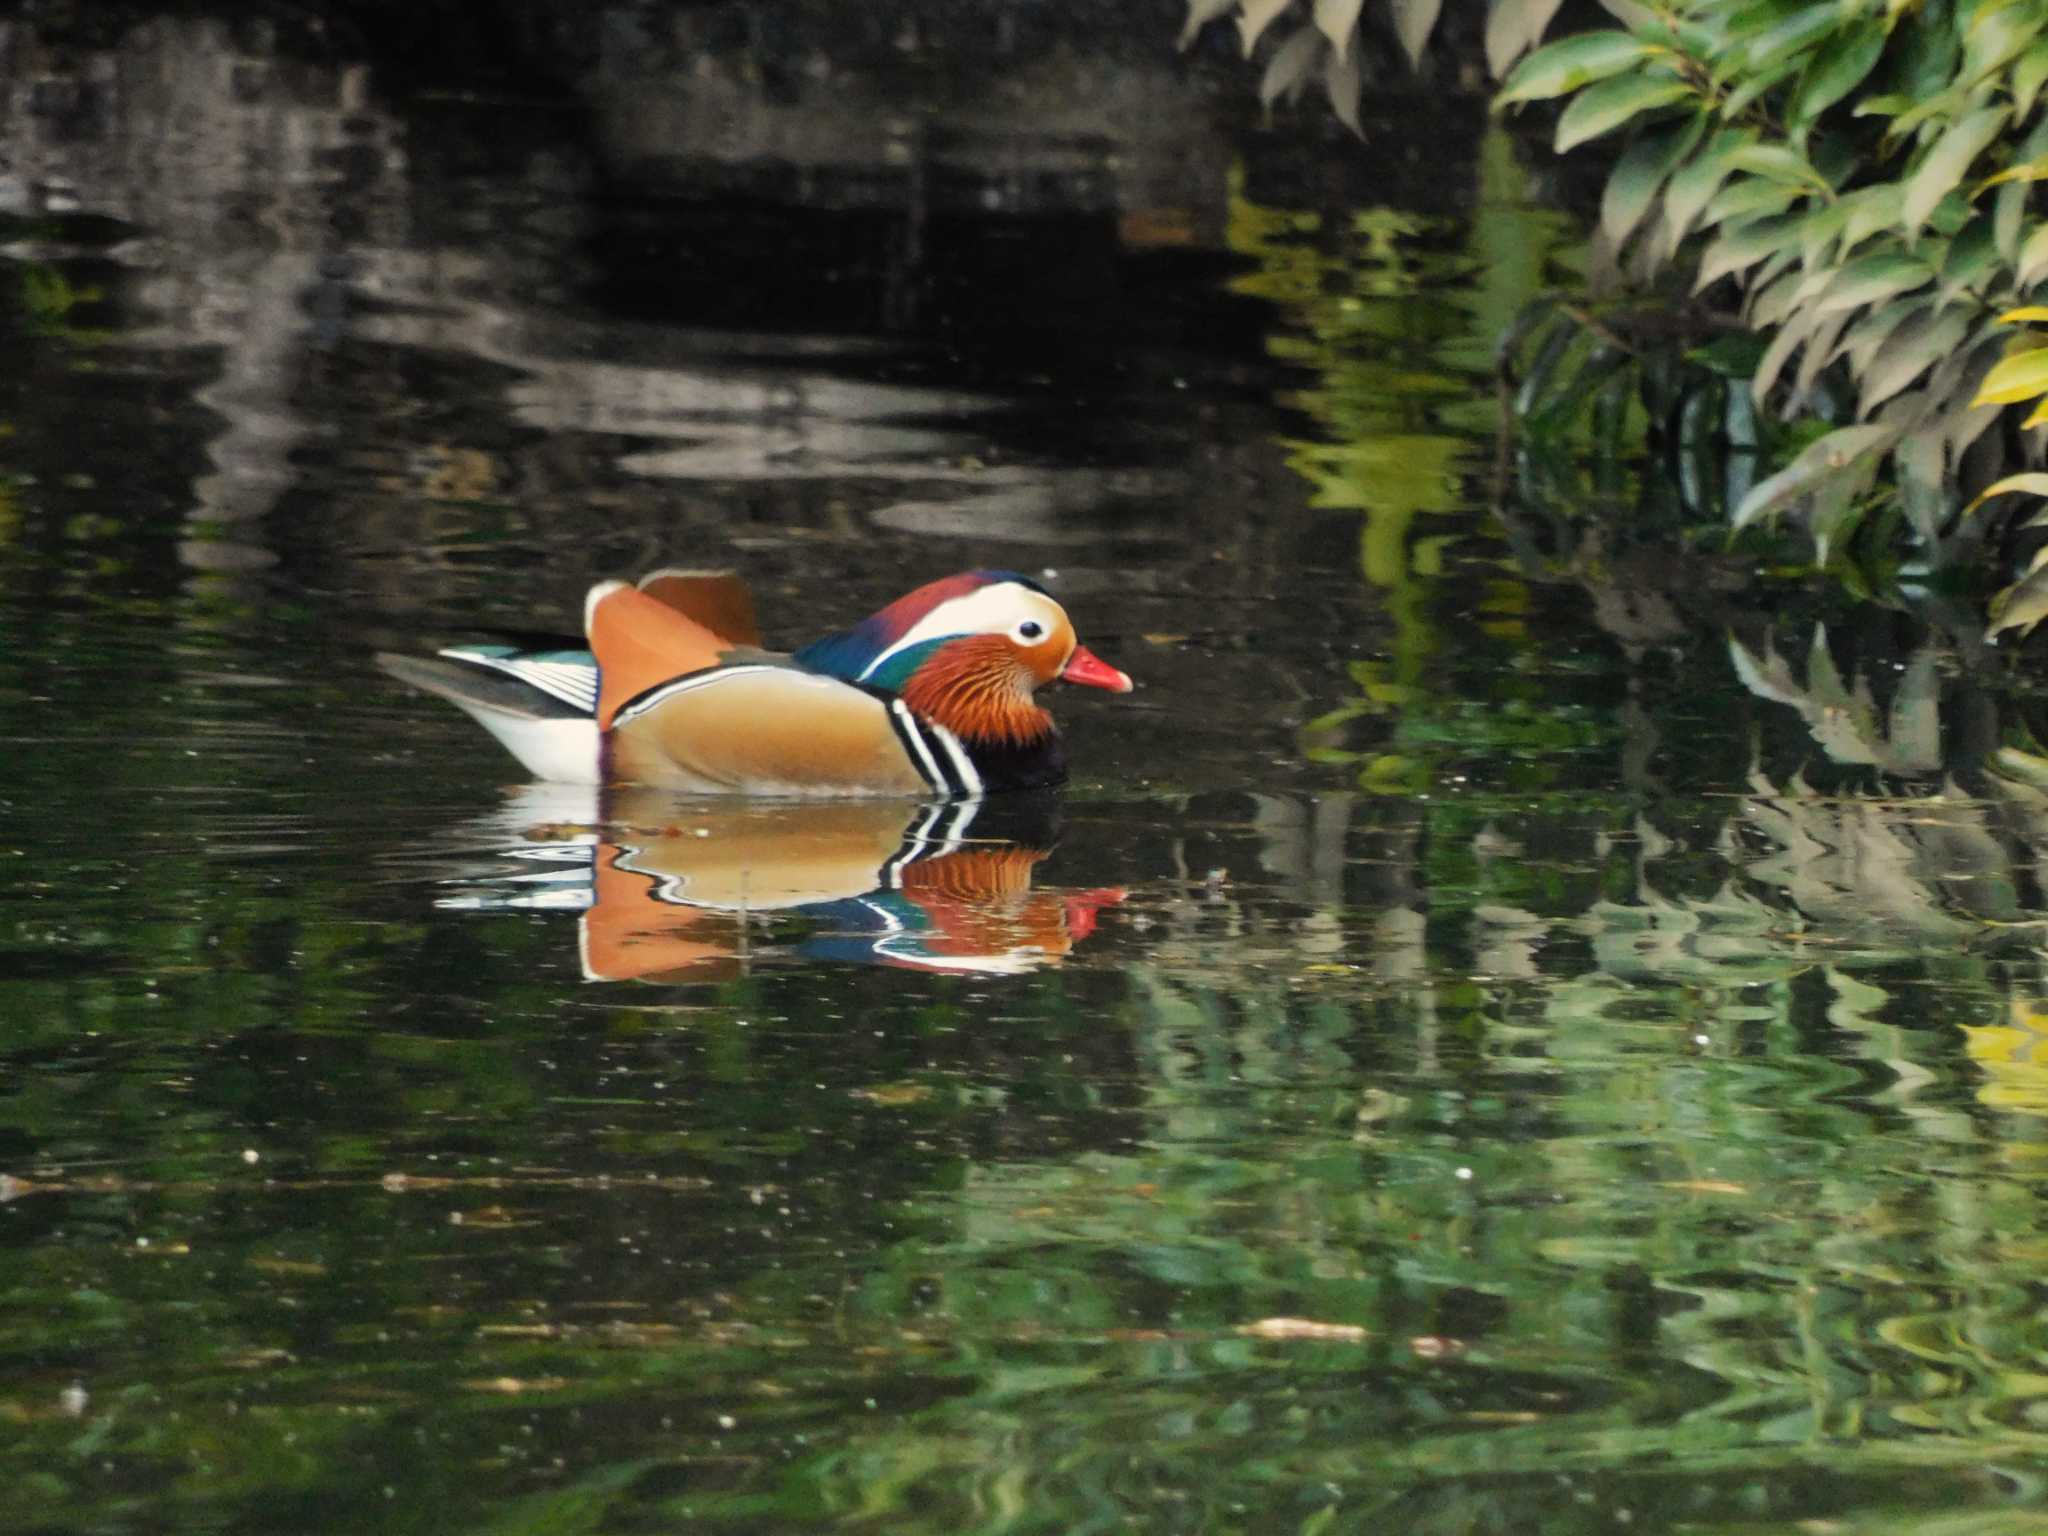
(968,652)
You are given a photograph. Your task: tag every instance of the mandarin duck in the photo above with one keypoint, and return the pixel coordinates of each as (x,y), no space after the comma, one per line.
(931,695)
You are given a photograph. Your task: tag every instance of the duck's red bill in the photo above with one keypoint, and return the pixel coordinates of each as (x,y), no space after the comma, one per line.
(1090,670)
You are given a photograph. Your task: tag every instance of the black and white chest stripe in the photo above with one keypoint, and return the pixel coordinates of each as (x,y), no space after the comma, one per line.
(936,752)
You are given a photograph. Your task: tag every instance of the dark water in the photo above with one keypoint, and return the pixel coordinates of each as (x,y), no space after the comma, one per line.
(1602,1007)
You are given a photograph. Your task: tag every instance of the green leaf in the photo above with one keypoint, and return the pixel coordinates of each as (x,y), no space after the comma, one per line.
(1871,280)
(1870,332)
(1733,356)
(1945,165)
(2033,170)
(2034,482)
(1632,184)
(1919,344)
(1694,184)
(1572,63)
(1870,209)
(1790,338)
(2022,605)
(1797,34)
(1413,22)
(1836,70)
(1512,28)
(1777,162)
(1817,232)
(2032,264)
(1972,258)
(1337,20)
(1830,456)
(1749,198)
(2021,376)
(1741,247)
(1748,87)
(1604,107)
(1996,36)
(2028,76)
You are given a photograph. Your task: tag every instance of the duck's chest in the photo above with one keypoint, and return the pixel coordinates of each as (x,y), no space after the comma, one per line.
(956,765)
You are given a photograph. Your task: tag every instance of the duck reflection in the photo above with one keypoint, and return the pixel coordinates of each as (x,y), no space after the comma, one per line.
(674,889)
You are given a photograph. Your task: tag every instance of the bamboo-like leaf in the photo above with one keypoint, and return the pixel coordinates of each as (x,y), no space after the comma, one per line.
(1287,71)
(1922,343)
(1870,332)
(1414,20)
(1771,302)
(1571,63)
(2035,169)
(2033,482)
(2027,78)
(1749,198)
(2032,264)
(1820,350)
(1777,162)
(1922,464)
(1795,35)
(1932,107)
(2038,416)
(1872,280)
(1200,14)
(2021,376)
(2029,314)
(1633,183)
(1790,338)
(1513,27)
(2009,206)
(1971,258)
(1736,250)
(1829,456)
(1631,13)
(1870,210)
(1692,185)
(1817,232)
(1945,165)
(1749,87)
(2022,605)
(2008,218)
(1838,506)
(1338,20)
(1256,16)
(1836,70)
(1606,106)
(1342,81)
(1998,34)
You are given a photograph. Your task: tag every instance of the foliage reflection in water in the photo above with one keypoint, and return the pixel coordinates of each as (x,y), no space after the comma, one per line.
(1611,1022)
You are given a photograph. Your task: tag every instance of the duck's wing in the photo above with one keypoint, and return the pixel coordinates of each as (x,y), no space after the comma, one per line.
(549,729)
(770,728)
(717,600)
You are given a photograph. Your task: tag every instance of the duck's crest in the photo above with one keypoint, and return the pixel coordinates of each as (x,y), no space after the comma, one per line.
(849,653)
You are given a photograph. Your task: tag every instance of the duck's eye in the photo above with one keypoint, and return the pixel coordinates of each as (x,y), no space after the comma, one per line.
(1030,630)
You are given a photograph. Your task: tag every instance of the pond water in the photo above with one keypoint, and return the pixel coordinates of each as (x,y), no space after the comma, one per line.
(1517,1025)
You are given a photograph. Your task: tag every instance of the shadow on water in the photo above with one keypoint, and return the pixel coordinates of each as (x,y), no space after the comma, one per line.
(1510,1029)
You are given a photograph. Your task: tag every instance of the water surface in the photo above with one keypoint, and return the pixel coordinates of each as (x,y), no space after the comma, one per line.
(1509,1030)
